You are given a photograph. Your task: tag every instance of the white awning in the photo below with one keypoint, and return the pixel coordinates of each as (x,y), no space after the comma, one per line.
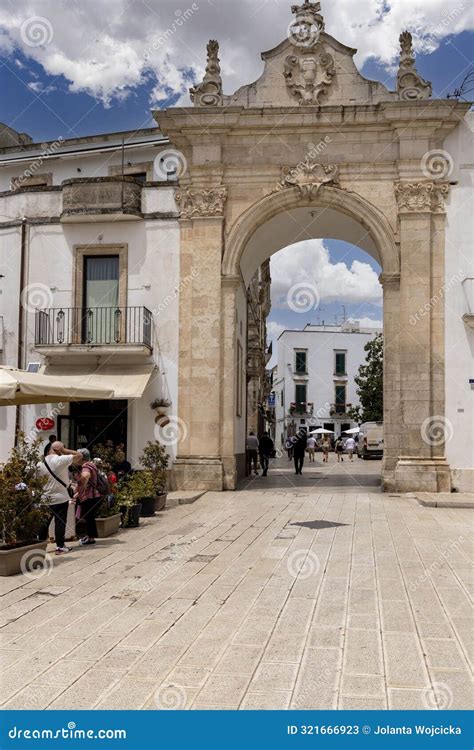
(22,387)
(126,381)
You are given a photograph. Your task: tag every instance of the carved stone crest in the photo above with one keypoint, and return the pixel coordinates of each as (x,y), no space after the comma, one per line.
(308,177)
(410,85)
(199,203)
(421,197)
(309,74)
(209,92)
(305,30)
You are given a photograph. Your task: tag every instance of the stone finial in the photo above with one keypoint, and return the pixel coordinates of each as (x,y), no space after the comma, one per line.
(209,92)
(410,85)
(308,24)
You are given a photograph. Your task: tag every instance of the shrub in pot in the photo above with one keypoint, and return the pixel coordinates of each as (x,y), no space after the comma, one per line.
(132,489)
(109,517)
(23,509)
(155,460)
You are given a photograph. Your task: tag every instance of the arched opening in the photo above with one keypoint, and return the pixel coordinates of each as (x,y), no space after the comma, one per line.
(283,220)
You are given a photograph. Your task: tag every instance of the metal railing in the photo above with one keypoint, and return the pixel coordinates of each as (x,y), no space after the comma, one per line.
(93,326)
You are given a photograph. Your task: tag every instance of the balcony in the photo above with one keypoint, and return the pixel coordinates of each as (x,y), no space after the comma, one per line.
(93,330)
(303,409)
(86,198)
(339,410)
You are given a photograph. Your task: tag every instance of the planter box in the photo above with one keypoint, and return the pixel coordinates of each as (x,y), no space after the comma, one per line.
(108,526)
(148,507)
(160,501)
(131,516)
(10,559)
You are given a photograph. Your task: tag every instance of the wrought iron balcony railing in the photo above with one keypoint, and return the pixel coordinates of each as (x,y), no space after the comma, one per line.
(94,326)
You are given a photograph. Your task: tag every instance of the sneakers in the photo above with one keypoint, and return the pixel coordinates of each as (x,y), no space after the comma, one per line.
(63,550)
(85,540)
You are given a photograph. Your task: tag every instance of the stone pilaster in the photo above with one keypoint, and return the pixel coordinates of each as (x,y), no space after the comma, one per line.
(391,377)
(421,464)
(199,464)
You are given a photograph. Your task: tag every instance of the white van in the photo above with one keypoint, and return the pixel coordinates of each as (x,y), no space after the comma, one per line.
(370,443)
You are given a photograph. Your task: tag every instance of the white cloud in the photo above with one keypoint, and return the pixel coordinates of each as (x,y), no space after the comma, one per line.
(108,47)
(274,329)
(308,263)
(367,322)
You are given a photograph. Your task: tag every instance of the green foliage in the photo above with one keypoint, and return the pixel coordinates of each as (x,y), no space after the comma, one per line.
(155,460)
(107,452)
(135,486)
(370,384)
(23,508)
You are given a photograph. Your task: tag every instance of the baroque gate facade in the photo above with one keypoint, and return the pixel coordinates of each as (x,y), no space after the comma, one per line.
(312,149)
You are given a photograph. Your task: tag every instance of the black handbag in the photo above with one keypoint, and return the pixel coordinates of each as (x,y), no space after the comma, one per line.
(68,487)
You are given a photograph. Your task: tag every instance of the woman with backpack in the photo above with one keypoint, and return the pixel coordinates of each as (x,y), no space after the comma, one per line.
(92,487)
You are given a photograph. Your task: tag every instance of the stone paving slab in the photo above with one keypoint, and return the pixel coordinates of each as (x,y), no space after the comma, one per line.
(270,597)
(446,499)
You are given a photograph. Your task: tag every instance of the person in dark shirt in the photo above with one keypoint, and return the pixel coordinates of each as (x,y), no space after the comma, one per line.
(51,439)
(299,449)
(266,449)
(122,467)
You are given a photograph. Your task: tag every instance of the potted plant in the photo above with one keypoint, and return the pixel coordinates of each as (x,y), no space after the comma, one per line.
(23,510)
(161,405)
(130,494)
(155,460)
(145,489)
(109,519)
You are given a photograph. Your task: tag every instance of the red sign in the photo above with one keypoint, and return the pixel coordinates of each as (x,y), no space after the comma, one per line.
(44,423)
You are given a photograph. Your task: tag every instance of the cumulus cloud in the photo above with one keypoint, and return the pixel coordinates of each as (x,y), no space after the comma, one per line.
(109,47)
(308,263)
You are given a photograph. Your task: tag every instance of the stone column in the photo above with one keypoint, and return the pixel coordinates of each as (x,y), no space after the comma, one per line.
(199,464)
(391,377)
(230,284)
(421,465)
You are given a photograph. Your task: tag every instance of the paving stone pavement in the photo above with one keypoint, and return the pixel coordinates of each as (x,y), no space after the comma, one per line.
(291,596)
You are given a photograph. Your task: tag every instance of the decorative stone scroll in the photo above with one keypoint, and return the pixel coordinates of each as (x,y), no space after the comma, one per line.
(305,30)
(209,92)
(421,197)
(201,203)
(309,176)
(410,85)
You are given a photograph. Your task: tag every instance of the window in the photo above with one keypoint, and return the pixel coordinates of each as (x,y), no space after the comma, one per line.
(300,394)
(102,318)
(300,362)
(340,363)
(340,399)
(282,397)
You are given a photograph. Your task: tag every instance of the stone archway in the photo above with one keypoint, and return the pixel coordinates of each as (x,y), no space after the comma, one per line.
(335,142)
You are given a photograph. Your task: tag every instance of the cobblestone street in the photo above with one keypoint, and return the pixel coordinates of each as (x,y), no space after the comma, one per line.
(281,595)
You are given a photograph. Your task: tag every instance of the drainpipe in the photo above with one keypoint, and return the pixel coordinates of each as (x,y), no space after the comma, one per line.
(21,317)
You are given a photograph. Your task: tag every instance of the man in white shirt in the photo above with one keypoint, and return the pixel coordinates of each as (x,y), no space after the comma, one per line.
(252,453)
(350,446)
(311,446)
(55,468)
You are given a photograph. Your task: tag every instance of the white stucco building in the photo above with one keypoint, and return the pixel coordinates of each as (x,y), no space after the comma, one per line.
(94,261)
(314,383)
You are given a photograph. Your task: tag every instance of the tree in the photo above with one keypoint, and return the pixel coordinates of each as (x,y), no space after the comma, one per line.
(370,384)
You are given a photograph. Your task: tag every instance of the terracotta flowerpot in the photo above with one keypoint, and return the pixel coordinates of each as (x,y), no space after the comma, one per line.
(11,559)
(160,501)
(108,526)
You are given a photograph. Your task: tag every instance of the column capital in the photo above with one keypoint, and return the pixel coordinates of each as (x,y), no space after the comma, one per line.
(201,203)
(424,196)
(390,280)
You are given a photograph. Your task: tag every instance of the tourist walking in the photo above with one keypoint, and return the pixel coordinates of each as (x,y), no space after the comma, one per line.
(339,448)
(58,491)
(299,449)
(266,449)
(326,445)
(350,447)
(89,497)
(311,444)
(252,453)
(289,447)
